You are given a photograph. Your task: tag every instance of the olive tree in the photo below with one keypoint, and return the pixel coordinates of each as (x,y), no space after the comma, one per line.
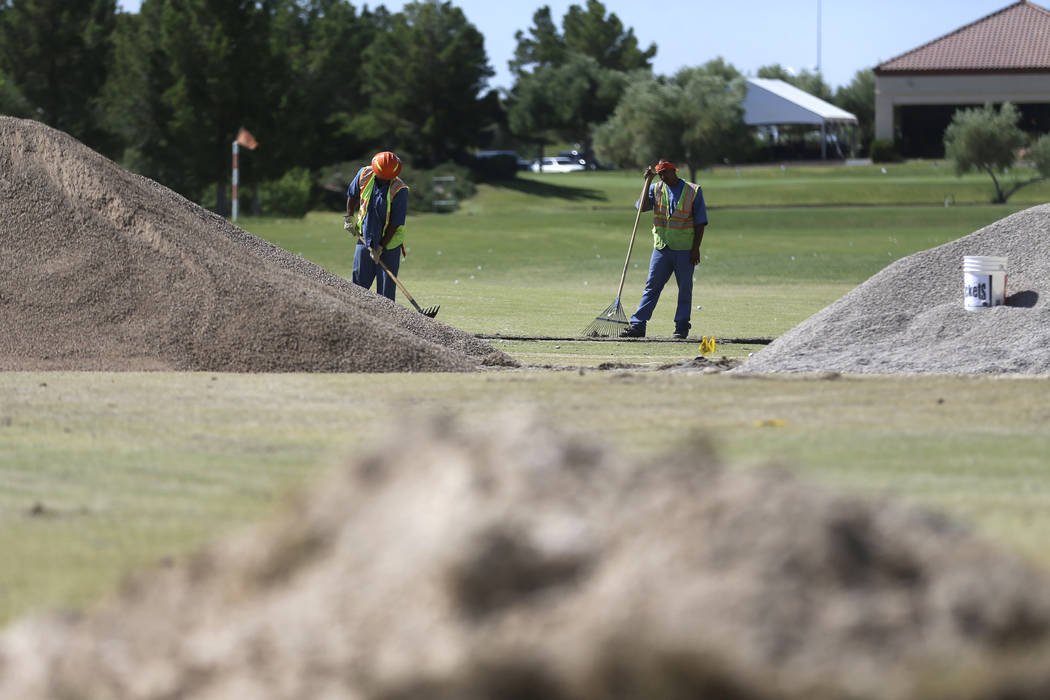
(694,118)
(987,139)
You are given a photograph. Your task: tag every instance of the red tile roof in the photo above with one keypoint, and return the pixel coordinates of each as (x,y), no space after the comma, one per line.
(1014,39)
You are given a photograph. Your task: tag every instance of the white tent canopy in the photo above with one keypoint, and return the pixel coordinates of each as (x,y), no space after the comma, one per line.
(774,102)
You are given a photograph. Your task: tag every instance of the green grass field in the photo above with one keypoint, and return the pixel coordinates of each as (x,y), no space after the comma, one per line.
(106,472)
(543,255)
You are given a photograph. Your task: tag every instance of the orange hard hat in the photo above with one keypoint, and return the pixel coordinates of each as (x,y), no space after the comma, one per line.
(386,165)
(665,165)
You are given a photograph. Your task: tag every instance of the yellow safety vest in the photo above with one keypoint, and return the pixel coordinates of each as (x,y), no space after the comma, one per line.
(366,183)
(673,229)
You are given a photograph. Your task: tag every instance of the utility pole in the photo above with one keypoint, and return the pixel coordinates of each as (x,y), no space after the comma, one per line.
(818,36)
(244,138)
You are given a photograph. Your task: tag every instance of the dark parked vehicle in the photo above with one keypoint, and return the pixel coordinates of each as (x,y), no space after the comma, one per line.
(521,162)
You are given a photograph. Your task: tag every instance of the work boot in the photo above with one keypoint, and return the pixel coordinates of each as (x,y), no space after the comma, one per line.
(681,332)
(635,330)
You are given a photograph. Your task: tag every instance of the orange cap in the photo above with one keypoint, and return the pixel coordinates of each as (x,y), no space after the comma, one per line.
(665,165)
(386,165)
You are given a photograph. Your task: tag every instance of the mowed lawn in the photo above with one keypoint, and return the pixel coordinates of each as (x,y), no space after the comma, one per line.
(543,255)
(105,473)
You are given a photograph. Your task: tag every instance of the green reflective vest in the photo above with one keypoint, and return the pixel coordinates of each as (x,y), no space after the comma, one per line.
(673,229)
(367,183)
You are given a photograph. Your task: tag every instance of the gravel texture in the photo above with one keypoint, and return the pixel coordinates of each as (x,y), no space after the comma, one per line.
(101,269)
(509,560)
(909,318)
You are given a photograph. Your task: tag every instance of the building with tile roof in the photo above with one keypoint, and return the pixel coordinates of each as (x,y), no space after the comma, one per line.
(1004,57)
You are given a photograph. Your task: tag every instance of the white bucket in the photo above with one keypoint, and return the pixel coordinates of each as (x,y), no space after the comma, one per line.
(984,281)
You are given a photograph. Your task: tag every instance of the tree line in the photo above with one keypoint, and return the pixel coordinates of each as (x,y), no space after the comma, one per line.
(318,82)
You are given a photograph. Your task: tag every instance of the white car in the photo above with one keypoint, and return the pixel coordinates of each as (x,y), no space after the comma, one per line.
(556,164)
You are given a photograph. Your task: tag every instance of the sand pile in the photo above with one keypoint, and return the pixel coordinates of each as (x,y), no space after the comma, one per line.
(101,269)
(510,561)
(909,318)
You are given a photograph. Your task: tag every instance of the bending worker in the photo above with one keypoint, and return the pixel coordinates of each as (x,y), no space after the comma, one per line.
(679,218)
(376,207)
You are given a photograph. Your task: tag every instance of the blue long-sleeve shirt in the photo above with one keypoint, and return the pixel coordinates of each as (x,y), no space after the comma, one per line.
(375,222)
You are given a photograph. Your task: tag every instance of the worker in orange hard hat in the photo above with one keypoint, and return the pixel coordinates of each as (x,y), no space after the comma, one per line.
(679,220)
(376,208)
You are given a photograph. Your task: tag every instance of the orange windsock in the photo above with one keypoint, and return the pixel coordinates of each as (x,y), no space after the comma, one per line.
(245,138)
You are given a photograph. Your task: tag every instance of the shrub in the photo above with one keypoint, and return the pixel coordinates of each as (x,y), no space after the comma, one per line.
(883,151)
(289,196)
(432,186)
(1039,154)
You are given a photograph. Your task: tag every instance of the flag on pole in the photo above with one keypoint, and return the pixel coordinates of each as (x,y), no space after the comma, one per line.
(245,138)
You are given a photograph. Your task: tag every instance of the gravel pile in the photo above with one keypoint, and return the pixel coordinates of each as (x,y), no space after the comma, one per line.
(909,318)
(511,561)
(101,269)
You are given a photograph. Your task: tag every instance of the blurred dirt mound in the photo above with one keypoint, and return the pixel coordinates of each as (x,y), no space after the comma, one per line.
(909,318)
(101,269)
(510,561)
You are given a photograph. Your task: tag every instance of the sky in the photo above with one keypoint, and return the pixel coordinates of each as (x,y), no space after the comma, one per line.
(853,34)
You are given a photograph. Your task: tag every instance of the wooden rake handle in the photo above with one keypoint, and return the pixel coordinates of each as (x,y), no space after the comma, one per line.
(634,232)
(392,276)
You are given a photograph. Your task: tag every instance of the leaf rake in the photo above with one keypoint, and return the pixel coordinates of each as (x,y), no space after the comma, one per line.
(430,311)
(613,320)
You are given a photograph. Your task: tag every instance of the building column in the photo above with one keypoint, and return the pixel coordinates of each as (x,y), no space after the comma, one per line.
(883,111)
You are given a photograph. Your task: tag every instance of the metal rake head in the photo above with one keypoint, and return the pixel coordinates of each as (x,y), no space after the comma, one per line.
(430,311)
(609,323)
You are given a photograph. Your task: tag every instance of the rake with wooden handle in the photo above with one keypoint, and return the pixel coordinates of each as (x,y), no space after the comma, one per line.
(429,311)
(613,320)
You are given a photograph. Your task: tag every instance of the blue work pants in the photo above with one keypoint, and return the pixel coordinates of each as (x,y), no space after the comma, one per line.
(661,265)
(366,271)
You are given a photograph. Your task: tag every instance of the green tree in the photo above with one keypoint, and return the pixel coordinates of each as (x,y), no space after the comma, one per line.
(696,118)
(11,101)
(425,79)
(589,32)
(318,45)
(187,75)
(218,55)
(56,54)
(131,105)
(568,100)
(297,90)
(531,110)
(543,46)
(858,98)
(592,33)
(987,139)
(569,82)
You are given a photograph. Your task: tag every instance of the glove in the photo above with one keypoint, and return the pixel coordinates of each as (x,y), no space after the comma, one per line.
(376,252)
(350,224)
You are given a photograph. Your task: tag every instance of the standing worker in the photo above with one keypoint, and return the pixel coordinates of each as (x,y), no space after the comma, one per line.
(679,218)
(376,207)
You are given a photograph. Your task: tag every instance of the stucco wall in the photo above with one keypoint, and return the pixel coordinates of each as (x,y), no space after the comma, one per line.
(890,91)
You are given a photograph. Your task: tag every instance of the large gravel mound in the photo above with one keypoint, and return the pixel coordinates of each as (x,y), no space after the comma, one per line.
(101,269)
(510,561)
(909,318)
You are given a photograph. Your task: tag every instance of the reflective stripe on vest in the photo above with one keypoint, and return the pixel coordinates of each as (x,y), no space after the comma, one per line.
(366,183)
(673,228)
